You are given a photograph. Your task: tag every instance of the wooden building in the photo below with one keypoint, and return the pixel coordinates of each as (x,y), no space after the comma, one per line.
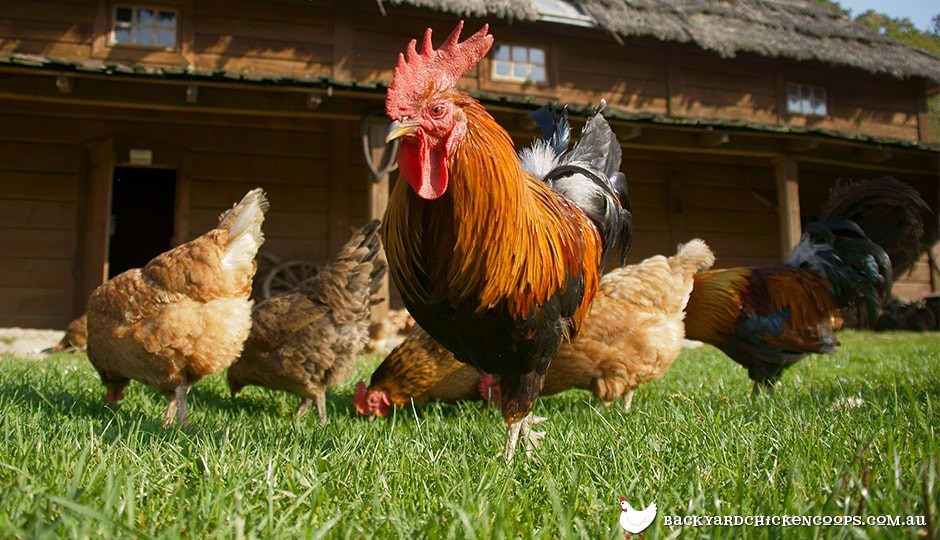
(127,127)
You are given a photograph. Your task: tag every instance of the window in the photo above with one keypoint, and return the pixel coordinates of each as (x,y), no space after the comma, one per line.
(805,99)
(519,64)
(144,26)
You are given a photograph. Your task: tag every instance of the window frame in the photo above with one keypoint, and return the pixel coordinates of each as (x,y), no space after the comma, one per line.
(182,55)
(813,91)
(513,79)
(134,25)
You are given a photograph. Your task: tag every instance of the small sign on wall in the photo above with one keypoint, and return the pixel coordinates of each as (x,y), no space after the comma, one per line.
(141,156)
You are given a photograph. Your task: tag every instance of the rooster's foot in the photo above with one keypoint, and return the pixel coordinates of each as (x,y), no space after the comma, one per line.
(522,429)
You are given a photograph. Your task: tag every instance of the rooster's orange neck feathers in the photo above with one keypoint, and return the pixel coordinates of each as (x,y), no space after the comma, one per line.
(473,240)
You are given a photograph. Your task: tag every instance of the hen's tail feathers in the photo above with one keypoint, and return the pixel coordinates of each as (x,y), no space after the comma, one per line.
(362,251)
(692,257)
(858,269)
(589,176)
(243,223)
(891,214)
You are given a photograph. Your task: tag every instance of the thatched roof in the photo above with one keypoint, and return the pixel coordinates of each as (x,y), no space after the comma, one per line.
(796,29)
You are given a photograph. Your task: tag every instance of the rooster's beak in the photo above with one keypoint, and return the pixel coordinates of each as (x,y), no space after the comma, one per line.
(399,129)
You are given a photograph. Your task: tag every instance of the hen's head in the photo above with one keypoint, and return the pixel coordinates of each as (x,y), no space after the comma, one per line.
(490,390)
(426,109)
(371,402)
(235,385)
(114,390)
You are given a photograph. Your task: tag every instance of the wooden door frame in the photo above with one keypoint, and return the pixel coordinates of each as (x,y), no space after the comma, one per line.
(101,157)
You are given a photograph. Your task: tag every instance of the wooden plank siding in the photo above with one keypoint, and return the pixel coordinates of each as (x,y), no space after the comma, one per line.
(39,186)
(38,189)
(711,87)
(296,38)
(686,180)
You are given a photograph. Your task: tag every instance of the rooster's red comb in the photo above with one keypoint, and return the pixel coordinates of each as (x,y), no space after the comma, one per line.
(441,67)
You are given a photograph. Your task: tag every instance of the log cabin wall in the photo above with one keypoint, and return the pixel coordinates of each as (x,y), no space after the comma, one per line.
(43,187)
(269,93)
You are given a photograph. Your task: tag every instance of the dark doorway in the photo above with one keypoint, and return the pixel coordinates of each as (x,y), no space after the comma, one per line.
(142,207)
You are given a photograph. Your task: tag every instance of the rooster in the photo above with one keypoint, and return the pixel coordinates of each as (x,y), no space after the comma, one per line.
(306,340)
(183,316)
(632,335)
(769,318)
(494,264)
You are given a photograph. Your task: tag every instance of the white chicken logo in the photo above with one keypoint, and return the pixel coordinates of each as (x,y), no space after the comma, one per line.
(635,521)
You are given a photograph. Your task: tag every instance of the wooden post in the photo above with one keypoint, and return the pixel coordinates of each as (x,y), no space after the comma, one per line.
(675,206)
(338,210)
(788,204)
(673,81)
(925,129)
(378,201)
(343,46)
(183,187)
(92,256)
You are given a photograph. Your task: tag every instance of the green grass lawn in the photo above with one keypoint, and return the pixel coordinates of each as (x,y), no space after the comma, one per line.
(855,434)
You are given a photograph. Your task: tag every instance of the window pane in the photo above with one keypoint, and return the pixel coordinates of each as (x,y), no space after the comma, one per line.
(145,36)
(502,69)
(520,71)
(538,74)
(819,95)
(793,98)
(537,56)
(122,14)
(122,35)
(820,108)
(819,100)
(519,54)
(807,93)
(501,52)
(167,19)
(806,103)
(145,17)
(166,38)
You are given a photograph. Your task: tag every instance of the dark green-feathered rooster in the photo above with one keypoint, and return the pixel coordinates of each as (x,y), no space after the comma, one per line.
(768,318)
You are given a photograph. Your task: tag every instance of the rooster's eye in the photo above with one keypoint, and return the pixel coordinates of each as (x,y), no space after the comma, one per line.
(437,110)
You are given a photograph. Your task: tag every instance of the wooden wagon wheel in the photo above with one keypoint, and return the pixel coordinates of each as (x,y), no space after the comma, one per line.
(285,276)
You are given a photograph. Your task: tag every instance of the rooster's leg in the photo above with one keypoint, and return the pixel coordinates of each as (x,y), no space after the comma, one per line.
(628,400)
(512,439)
(522,429)
(764,387)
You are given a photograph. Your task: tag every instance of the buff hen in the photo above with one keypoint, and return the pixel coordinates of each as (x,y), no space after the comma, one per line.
(184,315)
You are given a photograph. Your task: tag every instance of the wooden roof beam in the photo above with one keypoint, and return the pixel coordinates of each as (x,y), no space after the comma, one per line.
(713,138)
(803,144)
(875,155)
(627,133)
